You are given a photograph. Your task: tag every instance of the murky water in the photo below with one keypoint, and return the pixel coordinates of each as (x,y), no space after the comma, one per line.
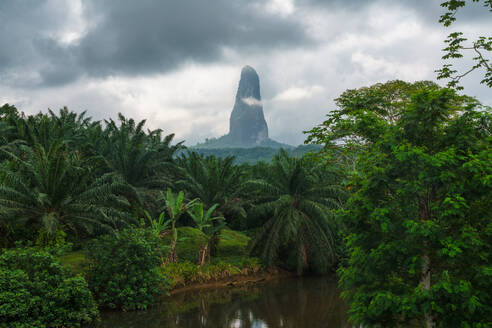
(289,303)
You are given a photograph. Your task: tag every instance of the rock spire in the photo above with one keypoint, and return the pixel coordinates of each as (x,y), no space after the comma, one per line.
(247,125)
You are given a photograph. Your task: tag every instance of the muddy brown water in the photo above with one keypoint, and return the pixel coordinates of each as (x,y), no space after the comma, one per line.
(288,303)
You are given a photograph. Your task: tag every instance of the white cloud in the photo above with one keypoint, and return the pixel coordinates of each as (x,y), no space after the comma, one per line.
(297,93)
(250,101)
(280,7)
(379,66)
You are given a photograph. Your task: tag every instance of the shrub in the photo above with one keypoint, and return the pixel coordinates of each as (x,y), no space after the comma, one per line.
(184,273)
(181,273)
(36,291)
(76,261)
(123,269)
(232,243)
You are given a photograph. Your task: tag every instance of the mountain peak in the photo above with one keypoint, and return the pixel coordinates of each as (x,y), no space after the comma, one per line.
(247,125)
(249,84)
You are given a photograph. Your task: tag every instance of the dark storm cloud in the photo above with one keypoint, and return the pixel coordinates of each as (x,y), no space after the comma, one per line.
(428,10)
(24,38)
(145,37)
(151,36)
(132,38)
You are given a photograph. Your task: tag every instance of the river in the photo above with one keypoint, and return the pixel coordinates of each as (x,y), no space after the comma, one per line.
(309,302)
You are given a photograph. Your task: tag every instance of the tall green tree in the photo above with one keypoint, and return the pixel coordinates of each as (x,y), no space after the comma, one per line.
(215,181)
(297,200)
(418,222)
(143,159)
(49,128)
(53,189)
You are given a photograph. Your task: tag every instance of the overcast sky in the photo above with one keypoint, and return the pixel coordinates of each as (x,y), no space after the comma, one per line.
(177,62)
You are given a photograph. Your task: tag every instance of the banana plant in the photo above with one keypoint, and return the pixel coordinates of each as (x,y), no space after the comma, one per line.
(159,225)
(205,223)
(175,206)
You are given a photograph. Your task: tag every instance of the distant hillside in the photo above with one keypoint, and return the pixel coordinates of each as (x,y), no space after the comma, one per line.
(227,142)
(253,155)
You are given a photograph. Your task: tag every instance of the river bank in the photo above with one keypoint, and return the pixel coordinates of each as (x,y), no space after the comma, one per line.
(235,280)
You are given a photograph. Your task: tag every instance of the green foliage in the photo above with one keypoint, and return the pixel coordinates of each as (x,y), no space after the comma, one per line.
(46,239)
(74,153)
(76,261)
(55,190)
(253,155)
(123,270)
(209,225)
(456,47)
(215,181)
(418,223)
(36,291)
(297,199)
(188,244)
(176,207)
(232,243)
(158,226)
(143,160)
(204,220)
(181,273)
(185,273)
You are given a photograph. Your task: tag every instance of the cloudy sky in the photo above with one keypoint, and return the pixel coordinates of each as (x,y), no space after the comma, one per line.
(177,62)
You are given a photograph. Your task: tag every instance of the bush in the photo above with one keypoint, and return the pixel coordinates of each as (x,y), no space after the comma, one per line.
(36,291)
(232,243)
(185,273)
(123,269)
(76,261)
(181,273)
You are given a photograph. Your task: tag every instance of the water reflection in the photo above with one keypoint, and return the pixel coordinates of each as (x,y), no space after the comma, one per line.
(286,303)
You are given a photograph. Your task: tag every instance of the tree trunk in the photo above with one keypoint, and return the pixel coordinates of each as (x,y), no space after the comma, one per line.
(172,257)
(425,281)
(425,276)
(203,254)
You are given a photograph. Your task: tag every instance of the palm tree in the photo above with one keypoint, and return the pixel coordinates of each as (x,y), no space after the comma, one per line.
(205,223)
(143,159)
(176,207)
(46,129)
(297,198)
(214,180)
(55,189)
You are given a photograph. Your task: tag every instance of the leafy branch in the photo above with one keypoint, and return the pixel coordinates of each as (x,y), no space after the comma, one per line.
(456,48)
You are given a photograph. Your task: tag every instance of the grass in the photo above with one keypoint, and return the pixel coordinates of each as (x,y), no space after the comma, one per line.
(185,273)
(232,243)
(77,261)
